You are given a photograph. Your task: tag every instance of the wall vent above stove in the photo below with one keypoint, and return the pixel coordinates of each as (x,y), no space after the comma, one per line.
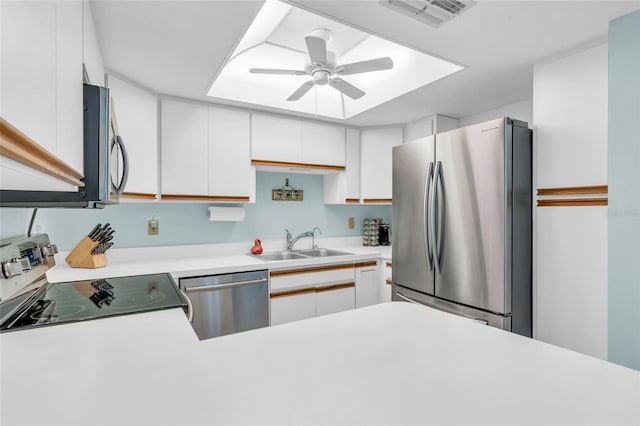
(431,12)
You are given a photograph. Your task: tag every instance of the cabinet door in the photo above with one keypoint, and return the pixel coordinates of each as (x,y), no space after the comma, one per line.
(367,282)
(185,155)
(41,85)
(230,170)
(571,293)
(331,301)
(293,307)
(384,293)
(276,139)
(137,115)
(323,144)
(376,147)
(69,119)
(353,164)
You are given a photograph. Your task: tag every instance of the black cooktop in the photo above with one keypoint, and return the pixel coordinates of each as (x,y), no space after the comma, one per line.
(67,302)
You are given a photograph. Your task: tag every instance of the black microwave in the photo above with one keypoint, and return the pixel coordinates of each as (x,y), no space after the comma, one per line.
(105,161)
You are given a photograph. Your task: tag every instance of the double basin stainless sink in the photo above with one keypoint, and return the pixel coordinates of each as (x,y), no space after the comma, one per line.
(300,254)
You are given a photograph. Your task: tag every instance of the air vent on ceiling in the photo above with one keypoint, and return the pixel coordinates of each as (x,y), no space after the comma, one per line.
(431,12)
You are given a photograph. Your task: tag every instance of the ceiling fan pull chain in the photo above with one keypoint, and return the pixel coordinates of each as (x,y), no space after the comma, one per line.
(316,90)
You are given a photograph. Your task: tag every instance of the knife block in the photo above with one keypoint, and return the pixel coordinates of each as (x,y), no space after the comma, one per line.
(81,257)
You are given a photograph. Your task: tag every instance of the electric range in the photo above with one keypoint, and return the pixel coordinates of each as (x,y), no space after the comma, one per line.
(40,303)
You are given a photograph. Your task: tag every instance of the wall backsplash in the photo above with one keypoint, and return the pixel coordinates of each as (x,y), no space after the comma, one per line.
(187,223)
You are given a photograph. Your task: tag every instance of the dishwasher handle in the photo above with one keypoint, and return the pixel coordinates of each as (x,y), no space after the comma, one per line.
(222,286)
(189,305)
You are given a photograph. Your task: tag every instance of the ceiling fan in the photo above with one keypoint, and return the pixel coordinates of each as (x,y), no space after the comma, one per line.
(321,66)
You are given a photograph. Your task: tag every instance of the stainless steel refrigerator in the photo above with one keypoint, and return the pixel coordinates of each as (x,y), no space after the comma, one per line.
(462,223)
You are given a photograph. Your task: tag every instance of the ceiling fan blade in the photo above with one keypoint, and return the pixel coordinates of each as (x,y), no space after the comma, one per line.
(306,86)
(365,66)
(347,88)
(274,71)
(317,48)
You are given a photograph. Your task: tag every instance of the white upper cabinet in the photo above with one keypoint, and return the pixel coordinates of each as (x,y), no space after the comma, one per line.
(344,187)
(136,112)
(279,141)
(41,85)
(230,170)
(185,151)
(570,116)
(322,144)
(376,149)
(275,139)
(205,153)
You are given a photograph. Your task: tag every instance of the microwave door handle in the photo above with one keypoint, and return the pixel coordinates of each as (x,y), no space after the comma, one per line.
(119,189)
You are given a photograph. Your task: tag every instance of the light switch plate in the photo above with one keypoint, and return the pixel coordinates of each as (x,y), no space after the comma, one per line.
(352,223)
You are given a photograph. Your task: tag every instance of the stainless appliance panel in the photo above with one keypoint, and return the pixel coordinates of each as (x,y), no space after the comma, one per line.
(494,320)
(412,257)
(228,303)
(470,210)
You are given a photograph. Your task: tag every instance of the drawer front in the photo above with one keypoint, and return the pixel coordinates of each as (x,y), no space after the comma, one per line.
(311,277)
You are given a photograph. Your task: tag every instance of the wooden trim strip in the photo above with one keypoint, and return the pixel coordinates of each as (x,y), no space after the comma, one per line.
(575,202)
(574,190)
(333,287)
(320,289)
(19,147)
(286,293)
(298,165)
(376,200)
(310,270)
(389,265)
(365,264)
(143,195)
(352,200)
(388,282)
(191,197)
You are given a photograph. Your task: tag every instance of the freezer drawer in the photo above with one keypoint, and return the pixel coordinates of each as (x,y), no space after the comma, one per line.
(495,320)
(228,303)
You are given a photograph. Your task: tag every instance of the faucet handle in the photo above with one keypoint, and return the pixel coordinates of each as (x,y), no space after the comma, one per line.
(288,234)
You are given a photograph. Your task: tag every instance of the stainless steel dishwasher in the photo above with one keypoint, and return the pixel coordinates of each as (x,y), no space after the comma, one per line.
(228,303)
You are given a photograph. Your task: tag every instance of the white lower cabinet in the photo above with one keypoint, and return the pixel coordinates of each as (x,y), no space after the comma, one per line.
(384,295)
(308,292)
(332,300)
(367,279)
(293,307)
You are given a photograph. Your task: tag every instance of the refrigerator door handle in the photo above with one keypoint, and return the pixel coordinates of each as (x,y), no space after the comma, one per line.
(437,219)
(426,236)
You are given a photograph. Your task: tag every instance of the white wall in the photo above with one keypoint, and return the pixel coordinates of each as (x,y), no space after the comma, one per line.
(520,110)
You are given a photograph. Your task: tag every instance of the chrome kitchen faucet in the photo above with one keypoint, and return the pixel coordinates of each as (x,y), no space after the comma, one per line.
(292,241)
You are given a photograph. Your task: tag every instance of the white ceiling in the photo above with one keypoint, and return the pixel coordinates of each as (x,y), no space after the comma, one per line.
(177,47)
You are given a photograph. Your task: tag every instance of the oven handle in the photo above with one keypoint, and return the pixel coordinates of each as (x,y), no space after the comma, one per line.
(189,305)
(222,286)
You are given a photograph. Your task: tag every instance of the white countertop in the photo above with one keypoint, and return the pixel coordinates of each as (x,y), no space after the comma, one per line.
(205,259)
(389,364)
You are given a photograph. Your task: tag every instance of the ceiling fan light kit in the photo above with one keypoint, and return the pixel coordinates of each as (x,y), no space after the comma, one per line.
(321,66)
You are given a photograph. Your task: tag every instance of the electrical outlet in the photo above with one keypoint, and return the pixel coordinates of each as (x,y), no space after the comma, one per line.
(352,223)
(154,227)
